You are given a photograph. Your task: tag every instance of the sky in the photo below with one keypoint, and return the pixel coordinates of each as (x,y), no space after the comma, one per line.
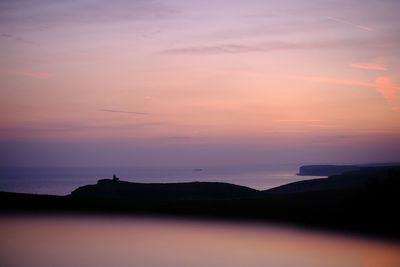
(146,83)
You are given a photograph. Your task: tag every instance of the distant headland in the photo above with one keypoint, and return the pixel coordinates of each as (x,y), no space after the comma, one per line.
(327,170)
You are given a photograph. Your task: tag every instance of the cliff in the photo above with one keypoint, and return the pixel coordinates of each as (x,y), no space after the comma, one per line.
(325,170)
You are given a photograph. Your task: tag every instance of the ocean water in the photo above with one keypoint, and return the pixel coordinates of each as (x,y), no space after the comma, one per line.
(62,181)
(46,241)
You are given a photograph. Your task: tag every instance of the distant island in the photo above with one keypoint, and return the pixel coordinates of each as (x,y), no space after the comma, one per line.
(358,201)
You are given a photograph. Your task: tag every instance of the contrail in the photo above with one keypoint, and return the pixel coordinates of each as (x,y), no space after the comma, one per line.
(352,24)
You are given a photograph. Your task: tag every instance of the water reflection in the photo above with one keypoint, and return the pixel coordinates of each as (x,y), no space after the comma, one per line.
(102,241)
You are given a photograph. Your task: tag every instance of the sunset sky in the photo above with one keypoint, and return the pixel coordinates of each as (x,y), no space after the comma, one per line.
(141,82)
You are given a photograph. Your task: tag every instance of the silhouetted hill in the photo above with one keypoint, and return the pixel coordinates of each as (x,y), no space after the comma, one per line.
(364,176)
(164,191)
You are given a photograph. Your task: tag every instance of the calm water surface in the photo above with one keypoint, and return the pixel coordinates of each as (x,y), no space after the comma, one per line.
(104,241)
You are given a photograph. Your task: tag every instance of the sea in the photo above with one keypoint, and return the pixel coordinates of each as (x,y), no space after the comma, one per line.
(62,181)
(60,240)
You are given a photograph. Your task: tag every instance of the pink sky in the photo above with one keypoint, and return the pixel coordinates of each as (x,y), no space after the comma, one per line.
(183,82)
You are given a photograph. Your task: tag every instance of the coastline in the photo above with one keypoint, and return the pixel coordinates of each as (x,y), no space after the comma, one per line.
(366,210)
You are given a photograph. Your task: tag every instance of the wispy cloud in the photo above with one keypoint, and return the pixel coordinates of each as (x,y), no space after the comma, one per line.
(396,109)
(334,81)
(75,127)
(35,75)
(7,35)
(350,23)
(240,48)
(321,125)
(228,49)
(175,138)
(386,87)
(15,38)
(271,46)
(123,111)
(367,66)
(299,120)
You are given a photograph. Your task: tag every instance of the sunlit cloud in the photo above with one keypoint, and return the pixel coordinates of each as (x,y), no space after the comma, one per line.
(334,81)
(396,109)
(389,90)
(35,75)
(299,120)
(383,85)
(123,111)
(350,23)
(367,66)
(321,125)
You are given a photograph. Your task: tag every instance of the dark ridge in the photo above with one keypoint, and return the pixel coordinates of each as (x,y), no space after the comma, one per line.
(360,178)
(107,188)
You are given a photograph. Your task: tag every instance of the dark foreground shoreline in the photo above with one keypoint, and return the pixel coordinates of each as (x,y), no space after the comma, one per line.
(370,209)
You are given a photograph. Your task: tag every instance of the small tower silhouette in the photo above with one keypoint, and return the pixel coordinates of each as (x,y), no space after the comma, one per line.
(115,178)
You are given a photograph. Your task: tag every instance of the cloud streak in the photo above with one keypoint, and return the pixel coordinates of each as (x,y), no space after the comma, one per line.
(123,111)
(334,81)
(272,46)
(15,38)
(321,125)
(351,24)
(299,120)
(35,75)
(368,66)
(239,48)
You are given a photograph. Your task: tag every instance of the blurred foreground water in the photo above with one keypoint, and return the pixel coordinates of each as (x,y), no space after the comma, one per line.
(136,241)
